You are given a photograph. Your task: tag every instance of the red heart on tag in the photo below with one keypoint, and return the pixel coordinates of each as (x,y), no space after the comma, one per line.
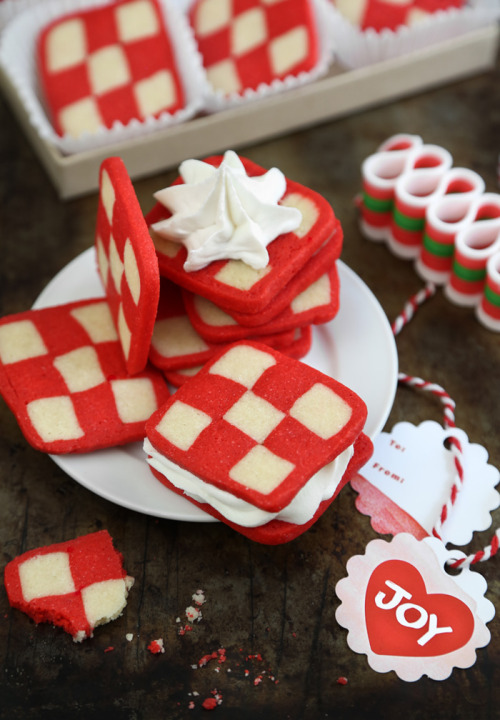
(403,619)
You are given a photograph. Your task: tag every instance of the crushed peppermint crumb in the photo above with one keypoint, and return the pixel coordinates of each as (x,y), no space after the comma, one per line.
(156,646)
(211,703)
(219,655)
(342,681)
(193,614)
(198,597)
(109,649)
(129,636)
(216,658)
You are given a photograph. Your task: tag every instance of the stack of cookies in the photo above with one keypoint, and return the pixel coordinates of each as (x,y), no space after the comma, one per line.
(216,289)
(292,284)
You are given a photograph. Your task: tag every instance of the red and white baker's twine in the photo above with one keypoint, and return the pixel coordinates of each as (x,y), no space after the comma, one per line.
(449,422)
(411,306)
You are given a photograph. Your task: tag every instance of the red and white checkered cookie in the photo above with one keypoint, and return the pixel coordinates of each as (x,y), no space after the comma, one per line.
(127,263)
(257,424)
(177,345)
(318,303)
(320,263)
(380,14)
(76,585)
(107,64)
(231,284)
(297,346)
(63,376)
(245,43)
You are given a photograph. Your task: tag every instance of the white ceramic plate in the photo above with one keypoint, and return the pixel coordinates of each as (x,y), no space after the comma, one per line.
(357,348)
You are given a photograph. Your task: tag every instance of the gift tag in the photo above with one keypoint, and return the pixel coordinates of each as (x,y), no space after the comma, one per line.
(407,614)
(409,478)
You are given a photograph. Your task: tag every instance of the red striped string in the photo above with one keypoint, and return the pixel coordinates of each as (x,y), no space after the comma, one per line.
(455,445)
(411,306)
(449,422)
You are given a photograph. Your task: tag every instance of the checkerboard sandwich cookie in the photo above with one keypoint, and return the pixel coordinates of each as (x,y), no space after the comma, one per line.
(247,239)
(253,256)
(259,440)
(77,585)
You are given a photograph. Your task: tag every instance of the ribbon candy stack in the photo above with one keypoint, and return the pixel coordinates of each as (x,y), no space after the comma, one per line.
(437,215)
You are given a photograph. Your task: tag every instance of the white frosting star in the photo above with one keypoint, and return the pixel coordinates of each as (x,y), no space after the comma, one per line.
(222,213)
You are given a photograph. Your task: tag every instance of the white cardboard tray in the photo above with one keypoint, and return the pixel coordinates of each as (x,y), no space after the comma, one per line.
(339,93)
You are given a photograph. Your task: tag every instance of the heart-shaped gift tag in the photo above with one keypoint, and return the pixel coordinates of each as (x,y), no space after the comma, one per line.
(402,618)
(407,614)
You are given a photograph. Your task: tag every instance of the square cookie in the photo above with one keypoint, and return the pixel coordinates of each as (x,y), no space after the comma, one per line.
(246,43)
(127,263)
(250,431)
(114,62)
(177,345)
(63,375)
(318,303)
(233,283)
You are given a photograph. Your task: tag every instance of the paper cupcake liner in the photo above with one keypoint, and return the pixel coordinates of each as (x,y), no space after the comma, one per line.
(18,61)
(215,101)
(10,8)
(356,48)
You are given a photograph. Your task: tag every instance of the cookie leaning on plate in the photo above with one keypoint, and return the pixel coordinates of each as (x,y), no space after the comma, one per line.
(259,440)
(127,263)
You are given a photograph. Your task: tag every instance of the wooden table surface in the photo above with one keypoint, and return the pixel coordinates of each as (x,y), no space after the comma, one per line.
(271,608)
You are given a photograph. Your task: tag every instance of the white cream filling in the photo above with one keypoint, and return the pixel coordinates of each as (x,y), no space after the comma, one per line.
(321,486)
(223,213)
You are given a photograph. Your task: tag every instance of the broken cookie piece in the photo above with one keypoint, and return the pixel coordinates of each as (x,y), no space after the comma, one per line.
(77,585)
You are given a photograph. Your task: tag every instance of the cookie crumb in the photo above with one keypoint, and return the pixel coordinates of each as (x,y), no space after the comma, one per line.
(198,597)
(156,646)
(211,703)
(193,614)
